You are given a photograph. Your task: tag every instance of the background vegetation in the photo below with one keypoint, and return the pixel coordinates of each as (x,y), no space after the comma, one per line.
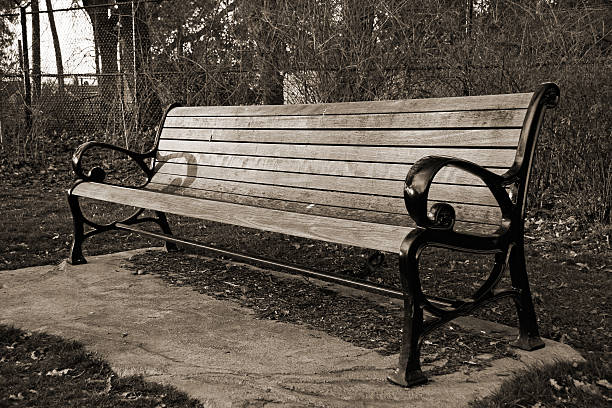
(219,52)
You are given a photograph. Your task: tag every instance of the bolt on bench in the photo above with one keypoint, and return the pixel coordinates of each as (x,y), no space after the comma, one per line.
(387,175)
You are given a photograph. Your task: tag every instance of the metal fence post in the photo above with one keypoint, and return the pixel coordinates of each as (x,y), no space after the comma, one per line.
(25,69)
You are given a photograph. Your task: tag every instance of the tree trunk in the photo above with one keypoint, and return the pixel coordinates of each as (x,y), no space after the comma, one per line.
(179,43)
(36,53)
(356,77)
(25,69)
(56,46)
(271,52)
(104,22)
(136,61)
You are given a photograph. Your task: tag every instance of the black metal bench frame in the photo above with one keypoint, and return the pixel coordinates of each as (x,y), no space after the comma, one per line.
(434,229)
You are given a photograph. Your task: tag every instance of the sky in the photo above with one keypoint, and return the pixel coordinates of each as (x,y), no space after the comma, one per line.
(76,39)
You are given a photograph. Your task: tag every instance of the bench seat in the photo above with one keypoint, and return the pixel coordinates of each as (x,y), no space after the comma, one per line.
(357,233)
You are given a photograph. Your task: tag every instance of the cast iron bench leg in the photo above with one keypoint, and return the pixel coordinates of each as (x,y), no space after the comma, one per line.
(76,252)
(165,227)
(408,373)
(529,336)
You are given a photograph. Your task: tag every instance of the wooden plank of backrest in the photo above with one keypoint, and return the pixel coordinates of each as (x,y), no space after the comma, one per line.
(308,181)
(390,204)
(286,205)
(401,155)
(482,102)
(205,178)
(293,175)
(385,171)
(468,216)
(323,138)
(422,120)
(374,137)
(362,234)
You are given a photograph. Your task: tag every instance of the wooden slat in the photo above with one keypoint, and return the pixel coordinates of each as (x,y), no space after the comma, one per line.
(508,101)
(446,176)
(334,168)
(362,234)
(375,137)
(401,155)
(340,199)
(378,236)
(266,184)
(171,172)
(426,120)
(458,194)
(308,200)
(292,206)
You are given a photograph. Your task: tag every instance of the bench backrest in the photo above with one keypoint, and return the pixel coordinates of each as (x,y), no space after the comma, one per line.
(344,160)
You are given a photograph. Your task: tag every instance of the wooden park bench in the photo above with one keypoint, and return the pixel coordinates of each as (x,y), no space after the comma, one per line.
(394,176)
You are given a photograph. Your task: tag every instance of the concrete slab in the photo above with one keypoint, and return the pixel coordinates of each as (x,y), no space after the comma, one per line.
(217,351)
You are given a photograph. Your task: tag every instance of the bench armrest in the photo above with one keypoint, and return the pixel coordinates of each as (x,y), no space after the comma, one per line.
(442,215)
(97,174)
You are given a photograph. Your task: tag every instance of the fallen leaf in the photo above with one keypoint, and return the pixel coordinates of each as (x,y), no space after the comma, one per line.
(109,384)
(604,383)
(130,395)
(583,265)
(555,384)
(56,373)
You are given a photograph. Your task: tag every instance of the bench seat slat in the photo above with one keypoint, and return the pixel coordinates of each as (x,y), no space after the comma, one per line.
(401,155)
(372,235)
(374,137)
(330,187)
(507,101)
(509,118)
(384,171)
(357,233)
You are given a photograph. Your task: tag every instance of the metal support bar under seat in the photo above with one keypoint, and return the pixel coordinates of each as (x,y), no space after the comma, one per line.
(364,286)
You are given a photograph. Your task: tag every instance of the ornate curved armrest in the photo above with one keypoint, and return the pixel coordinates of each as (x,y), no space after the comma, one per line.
(442,215)
(97,174)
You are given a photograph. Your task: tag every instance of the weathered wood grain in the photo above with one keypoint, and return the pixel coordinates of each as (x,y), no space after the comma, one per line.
(337,198)
(508,118)
(484,102)
(372,137)
(384,171)
(467,215)
(269,184)
(401,155)
(367,235)
(357,233)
